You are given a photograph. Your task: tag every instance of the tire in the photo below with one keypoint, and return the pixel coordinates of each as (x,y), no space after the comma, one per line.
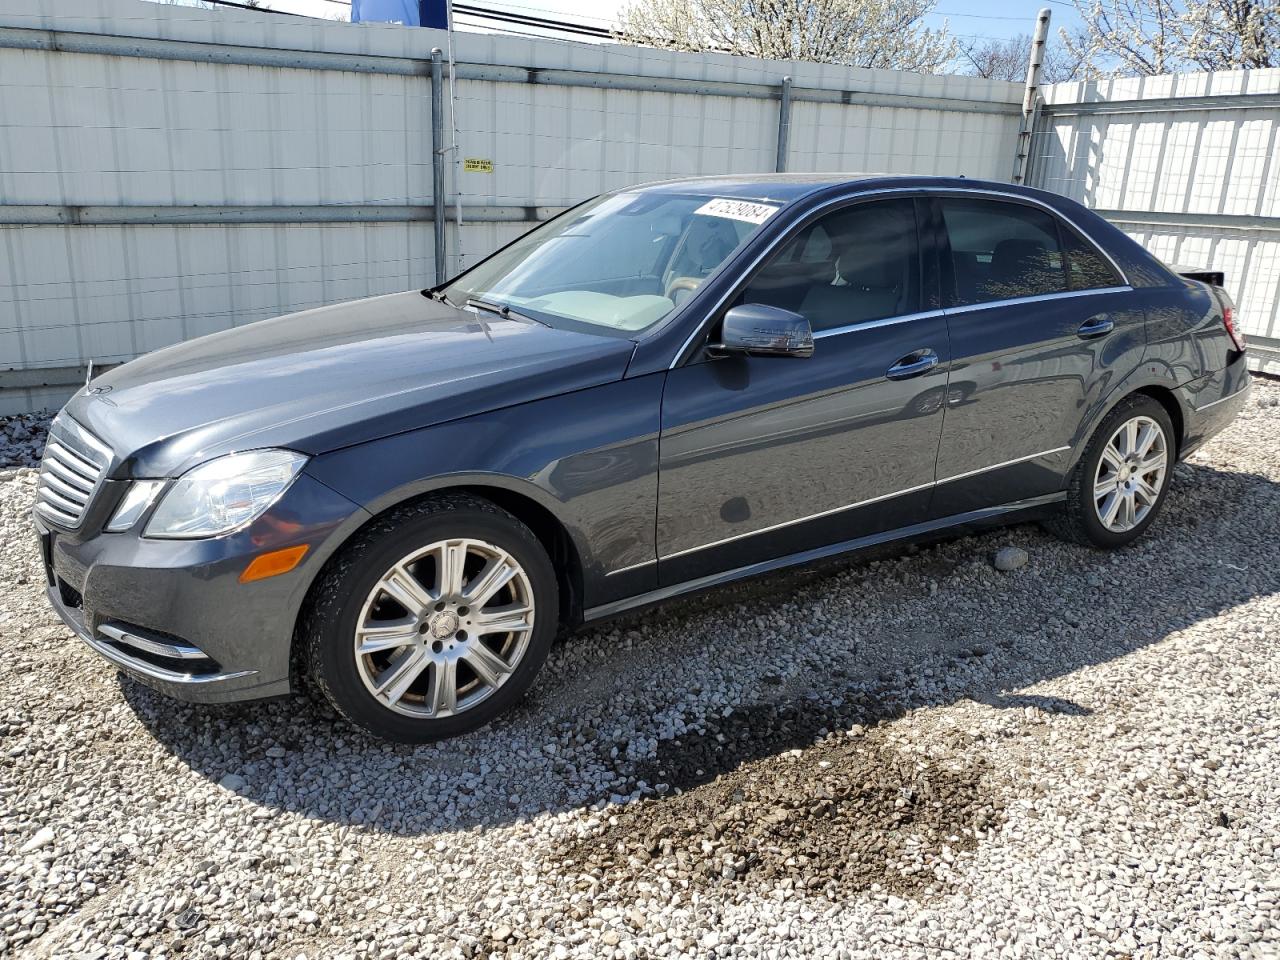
(1083,518)
(392,584)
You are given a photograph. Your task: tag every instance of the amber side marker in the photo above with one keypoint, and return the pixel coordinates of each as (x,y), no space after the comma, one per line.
(274,563)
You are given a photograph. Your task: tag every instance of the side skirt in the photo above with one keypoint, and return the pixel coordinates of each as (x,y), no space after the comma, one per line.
(973,517)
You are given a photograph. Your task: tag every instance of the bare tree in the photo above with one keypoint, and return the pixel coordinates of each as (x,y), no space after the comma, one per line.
(1007,60)
(1147,37)
(860,33)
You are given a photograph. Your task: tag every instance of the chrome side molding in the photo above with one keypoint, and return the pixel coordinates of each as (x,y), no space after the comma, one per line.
(842,509)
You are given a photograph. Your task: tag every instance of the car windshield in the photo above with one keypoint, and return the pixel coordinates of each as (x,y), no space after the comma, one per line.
(619,263)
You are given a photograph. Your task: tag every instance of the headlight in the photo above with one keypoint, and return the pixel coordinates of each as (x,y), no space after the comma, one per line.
(224,494)
(134,505)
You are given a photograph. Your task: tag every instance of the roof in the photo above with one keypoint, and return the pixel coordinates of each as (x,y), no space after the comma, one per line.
(787,187)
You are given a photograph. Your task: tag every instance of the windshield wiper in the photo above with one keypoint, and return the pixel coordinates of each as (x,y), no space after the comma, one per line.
(436,294)
(502,310)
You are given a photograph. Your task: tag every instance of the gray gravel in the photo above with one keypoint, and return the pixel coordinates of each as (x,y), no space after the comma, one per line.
(919,756)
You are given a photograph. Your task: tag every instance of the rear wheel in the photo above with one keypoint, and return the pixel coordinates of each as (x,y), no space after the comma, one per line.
(1118,487)
(434,621)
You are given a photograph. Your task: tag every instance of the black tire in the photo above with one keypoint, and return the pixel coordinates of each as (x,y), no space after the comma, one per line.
(1078,520)
(327,630)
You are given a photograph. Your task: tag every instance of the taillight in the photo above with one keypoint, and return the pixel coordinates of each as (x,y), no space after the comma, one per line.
(1229,321)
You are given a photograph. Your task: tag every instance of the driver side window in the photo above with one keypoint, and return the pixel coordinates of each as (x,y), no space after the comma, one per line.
(857,264)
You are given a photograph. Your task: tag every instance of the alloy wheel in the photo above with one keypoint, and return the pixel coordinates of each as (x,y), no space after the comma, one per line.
(444,628)
(1131,474)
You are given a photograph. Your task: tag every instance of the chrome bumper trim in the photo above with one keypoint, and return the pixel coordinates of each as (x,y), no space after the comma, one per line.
(1244,389)
(129,664)
(175,651)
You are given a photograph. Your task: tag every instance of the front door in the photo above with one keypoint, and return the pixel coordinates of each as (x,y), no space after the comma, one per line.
(762,457)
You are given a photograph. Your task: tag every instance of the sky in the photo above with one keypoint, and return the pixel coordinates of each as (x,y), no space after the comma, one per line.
(969,20)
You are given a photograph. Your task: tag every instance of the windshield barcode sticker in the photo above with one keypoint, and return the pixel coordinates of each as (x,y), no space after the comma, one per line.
(737,210)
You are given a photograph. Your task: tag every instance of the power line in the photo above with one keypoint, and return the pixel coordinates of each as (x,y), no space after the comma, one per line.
(246,6)
(565,26)
(529,20)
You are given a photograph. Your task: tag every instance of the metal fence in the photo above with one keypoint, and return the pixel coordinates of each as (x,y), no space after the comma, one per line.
(167,172)
(1186,164)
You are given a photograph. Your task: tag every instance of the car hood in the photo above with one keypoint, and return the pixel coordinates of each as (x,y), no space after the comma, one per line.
(332,377)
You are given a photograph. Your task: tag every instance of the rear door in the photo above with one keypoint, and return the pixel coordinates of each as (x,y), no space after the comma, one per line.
(762,457)
(1041,324)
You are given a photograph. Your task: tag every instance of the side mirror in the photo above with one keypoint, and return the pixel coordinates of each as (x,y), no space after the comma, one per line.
(761,330)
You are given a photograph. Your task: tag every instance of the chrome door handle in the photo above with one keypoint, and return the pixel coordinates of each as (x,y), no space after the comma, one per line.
(1098,326)
(912,365)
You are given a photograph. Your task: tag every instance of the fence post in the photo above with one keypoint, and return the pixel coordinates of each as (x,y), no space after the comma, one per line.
(1031,96)
(784,125)
(437,159)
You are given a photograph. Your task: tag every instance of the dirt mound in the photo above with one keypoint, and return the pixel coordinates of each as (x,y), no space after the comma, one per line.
(747,804)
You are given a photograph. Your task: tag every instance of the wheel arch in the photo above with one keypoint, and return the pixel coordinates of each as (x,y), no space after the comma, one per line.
(1146,382)
(1169,400)
(551,531)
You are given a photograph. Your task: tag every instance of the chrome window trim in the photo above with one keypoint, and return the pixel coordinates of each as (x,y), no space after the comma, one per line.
(1035,298)
(916,190)
(882,322)
(852,506)
(1214,403)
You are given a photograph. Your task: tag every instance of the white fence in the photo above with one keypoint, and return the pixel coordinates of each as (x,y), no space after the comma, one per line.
(167,171)
(1187,165)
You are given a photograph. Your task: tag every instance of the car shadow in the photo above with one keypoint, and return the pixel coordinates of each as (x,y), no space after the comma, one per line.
(599,726)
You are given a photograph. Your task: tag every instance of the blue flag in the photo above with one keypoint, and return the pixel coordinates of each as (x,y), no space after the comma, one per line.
(409,13)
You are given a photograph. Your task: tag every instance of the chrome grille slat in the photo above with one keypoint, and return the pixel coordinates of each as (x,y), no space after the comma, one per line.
(66,490)
(71,461)
(72,468)
(56,468)
(59,516)
(59,501)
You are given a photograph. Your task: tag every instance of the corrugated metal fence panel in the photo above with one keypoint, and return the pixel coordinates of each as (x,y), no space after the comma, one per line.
(110,293)
(1187,165)
(88,133)
(560,145)
(127,130)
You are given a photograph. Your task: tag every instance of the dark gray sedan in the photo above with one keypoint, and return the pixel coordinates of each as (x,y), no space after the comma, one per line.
(665,388)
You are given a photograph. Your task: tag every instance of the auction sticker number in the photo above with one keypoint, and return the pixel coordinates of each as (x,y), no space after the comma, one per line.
(737,210)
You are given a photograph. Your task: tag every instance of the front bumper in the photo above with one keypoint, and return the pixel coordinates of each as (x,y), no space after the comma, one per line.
(174,614)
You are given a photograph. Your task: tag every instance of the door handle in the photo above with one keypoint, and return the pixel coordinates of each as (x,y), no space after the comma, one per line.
(1098,326)
(912,365)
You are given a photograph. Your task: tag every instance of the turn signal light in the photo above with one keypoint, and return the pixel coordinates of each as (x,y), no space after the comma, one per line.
(274,563)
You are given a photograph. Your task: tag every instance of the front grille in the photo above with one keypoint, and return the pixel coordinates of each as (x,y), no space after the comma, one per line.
(73,465)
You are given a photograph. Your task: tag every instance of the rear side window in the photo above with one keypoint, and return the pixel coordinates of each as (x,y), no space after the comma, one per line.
(1087,269)
(857,264)
(1000,251)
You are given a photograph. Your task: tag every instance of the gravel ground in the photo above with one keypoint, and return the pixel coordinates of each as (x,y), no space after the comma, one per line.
(1073,755)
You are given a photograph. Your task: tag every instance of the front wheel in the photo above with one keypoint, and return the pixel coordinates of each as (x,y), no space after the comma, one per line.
(434,621)
(1118,487)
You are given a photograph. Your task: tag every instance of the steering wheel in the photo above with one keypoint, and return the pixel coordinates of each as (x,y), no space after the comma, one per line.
(681,283)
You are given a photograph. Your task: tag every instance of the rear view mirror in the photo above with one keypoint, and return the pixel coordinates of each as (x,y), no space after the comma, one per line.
(761,330)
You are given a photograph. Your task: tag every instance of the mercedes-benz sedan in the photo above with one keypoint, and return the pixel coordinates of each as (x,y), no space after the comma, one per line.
(664,388)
